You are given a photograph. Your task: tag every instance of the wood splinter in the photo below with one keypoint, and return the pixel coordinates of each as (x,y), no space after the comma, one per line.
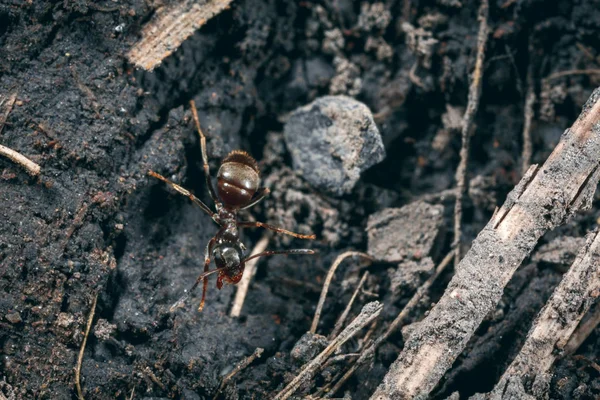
(169,28)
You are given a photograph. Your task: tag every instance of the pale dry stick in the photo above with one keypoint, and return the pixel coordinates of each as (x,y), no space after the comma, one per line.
(81,351)
(340,322)
(328,279)
(583,331)
(249,272)
(9,106)
(472,105)
(530,99)
(545,198)
(242,364)
(154,378)
(32,168)
(168,29)
(558,319)
(132,393)
(571,72)
(368,313)
(369,350)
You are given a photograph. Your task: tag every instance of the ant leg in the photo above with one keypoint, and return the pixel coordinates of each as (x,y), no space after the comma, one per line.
(204,280)
(211,189)
(274,228)
(184,192)
(264,192)
(285,252)
(201,278)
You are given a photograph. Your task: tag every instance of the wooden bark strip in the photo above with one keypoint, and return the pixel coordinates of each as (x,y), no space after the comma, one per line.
(558,319)
(545,198)
(169,28)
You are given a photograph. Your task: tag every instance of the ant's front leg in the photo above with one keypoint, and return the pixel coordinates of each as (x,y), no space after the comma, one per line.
(201,278)
(211,188)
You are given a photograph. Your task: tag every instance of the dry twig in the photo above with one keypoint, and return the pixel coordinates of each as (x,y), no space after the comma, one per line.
(242,364)
(369,312)
(340,322)
(560,316)
(571,72)
(369,350)
(32,168)
(169,28)
(328,279)
(528,117)
(545,198)
(249,272)
(472,105)
(81,351)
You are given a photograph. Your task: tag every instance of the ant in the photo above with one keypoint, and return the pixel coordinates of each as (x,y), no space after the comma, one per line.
(238,182)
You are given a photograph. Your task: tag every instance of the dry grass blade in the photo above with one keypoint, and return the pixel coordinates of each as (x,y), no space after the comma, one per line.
(369,350)
(571,73)
(249,272)
(82,350)
(340,322)
(243,364)
(328,279)
(369,312)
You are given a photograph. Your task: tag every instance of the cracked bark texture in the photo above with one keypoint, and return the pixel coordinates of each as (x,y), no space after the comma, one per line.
(556,322)
(545,198)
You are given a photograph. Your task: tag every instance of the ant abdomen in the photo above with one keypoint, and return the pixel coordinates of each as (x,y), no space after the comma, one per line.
(238,179)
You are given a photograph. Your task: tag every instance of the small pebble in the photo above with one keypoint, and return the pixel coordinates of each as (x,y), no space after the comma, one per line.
(332,141)
(14,318)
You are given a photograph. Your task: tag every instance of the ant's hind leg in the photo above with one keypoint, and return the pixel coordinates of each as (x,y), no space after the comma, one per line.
(211,189)
(274,228)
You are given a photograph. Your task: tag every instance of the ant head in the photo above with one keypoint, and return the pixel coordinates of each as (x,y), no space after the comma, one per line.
(238,179)
(229,258)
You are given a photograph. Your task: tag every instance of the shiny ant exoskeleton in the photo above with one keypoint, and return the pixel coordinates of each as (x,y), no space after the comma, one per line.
(238,182)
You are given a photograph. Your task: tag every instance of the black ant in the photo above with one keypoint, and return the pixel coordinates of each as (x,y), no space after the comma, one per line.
(238,182)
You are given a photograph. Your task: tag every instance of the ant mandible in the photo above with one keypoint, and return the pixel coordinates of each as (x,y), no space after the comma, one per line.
(238,182)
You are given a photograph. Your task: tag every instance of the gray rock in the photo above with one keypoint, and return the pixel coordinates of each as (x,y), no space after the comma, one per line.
(332,140)
(397,234)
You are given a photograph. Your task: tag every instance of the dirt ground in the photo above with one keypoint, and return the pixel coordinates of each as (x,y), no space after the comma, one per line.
(94,223)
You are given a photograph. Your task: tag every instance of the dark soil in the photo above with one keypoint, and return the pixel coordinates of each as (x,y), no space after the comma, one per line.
(93,222)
